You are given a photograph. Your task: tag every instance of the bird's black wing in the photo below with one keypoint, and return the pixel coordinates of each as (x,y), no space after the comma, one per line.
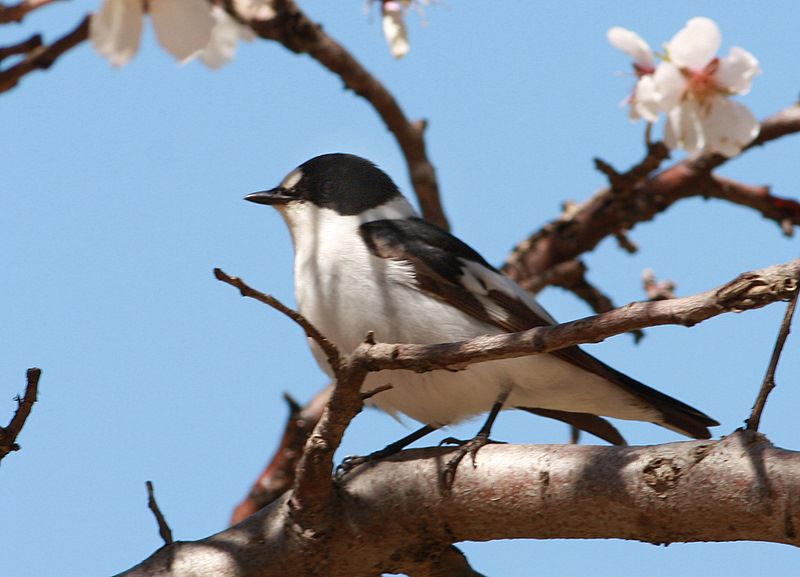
(450,270)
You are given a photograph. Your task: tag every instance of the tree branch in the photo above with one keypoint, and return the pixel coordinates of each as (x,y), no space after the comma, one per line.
(9,434)
(17,12)
(769,379)
(297,32)
(163,528)
(738,488)
(748,291)
(630,201)
(279,475)
(311,331)
(42,57)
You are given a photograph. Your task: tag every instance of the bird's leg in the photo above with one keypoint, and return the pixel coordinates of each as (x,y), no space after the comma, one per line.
(351,462)
(472,446)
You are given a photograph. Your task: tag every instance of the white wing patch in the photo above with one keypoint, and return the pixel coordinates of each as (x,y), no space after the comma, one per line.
(480,280)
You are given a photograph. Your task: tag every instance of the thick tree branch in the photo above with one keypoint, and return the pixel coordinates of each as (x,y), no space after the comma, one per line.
(42,57)
(297,32)
(634,198)
(9,434)
(735,489)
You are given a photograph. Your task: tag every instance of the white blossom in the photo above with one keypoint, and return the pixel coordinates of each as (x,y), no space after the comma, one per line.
(693,86)
(183,27)
(634,46)
(643,99)
(394,26)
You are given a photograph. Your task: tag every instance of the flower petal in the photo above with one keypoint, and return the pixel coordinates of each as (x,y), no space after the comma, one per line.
(646,100)
(729,126)
(736,71)
(115,30)
(631,44)
(684,128)
(670,85)
(394,28)
(183,27)
(224,37)
(695,45)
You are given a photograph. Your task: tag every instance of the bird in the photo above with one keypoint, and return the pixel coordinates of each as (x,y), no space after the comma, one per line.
(367,262)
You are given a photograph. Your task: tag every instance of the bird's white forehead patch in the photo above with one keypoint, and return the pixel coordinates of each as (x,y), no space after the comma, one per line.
(292,179)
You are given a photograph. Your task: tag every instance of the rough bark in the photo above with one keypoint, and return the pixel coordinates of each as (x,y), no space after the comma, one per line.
(388,516)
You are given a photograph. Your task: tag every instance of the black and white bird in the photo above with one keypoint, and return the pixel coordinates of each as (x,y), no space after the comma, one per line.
(366,261)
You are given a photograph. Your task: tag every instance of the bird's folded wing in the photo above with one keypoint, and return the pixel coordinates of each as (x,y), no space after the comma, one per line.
(447,269)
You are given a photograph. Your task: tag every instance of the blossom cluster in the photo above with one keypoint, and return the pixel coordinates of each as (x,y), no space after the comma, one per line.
(692,87)
(187,29)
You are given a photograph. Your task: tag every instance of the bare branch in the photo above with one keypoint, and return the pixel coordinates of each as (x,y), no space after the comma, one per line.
(738,488)
(9,434)
(748,291)
(629,201)
(43,57)
(292,28)
(163,527)
(17,12)
(657,290)
(278,477)
(769,378)
(23,47)
(327,346)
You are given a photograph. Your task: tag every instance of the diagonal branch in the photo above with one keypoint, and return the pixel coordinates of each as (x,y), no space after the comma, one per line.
(245,290)
(9,434)
(769,378)
(279,475)
(17,12)
(297,32)
(619,208)
(163,528)
(42,57)
(748,291)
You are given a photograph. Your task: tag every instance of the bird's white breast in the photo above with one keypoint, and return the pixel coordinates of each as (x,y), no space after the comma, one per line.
(346,291)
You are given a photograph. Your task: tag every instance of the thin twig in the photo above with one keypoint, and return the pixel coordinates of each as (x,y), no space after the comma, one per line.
(43,57)
(9,434)
(769,378)
(657,290)
(163,528)
(330,349)
(16,12)
(22,47)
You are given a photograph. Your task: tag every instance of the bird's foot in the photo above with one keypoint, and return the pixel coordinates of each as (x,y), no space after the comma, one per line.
(470,447)
(351,462)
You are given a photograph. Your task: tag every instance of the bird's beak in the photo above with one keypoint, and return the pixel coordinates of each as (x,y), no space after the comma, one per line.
(276,196)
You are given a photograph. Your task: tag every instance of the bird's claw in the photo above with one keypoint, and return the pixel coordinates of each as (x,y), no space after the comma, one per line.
(348,464)
(470,447)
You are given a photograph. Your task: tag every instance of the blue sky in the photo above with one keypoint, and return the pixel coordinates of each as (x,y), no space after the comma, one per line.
(123,190)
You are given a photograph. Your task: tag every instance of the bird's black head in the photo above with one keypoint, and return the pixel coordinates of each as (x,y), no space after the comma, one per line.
(345,183)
